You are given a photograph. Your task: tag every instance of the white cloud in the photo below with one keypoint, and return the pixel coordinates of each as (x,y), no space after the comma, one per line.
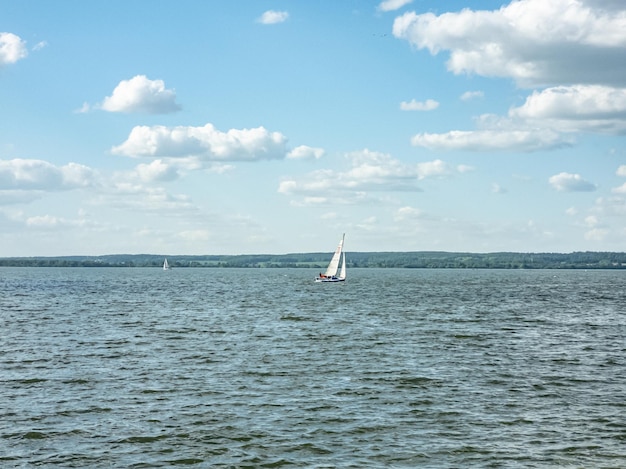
(532,41)
(464,168)
(12,48)
(22,181)
(611,206)
(52,222)
(157,170)
(436,168)
(21,174)
(408,213)
(273,17)
(621,171)
(469,95)
(369,171)
(567,182)
(391,5)
(576,108)
(304,152)
(140,94)
(413,105)
(205,143)
(492,140)
(619,190)
(129,195)
(77,175)
(547,120)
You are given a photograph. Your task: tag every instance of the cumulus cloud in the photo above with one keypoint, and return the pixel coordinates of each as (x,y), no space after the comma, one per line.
(413,105)
(392,5)
(24,181)
(304,152)
(435,168)
(140,94)
(567,182)
(12,48)
(492,140)
(547,120)
(204,143)
(157,170)
(573,49)
(22,174)
(273,17)
(621,171)
(534,42)
(576,108)
(369,171)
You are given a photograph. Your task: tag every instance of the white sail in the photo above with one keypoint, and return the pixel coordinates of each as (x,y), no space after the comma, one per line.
(331,273)
(334,262)
(342,274)
(166,266)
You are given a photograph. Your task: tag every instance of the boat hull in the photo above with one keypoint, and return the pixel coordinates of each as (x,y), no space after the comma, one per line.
(329,279)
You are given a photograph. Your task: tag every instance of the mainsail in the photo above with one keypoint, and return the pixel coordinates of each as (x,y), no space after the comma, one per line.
(334,262)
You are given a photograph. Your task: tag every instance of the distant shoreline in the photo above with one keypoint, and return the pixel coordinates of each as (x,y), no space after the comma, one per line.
(414,260)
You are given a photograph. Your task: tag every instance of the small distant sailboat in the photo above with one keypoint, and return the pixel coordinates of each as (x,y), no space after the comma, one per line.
(166,266)
(331,272)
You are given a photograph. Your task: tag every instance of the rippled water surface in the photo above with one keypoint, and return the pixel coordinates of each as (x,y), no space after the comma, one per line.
(264,368)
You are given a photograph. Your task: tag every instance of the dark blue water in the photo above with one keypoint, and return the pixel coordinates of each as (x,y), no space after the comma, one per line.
(265,368)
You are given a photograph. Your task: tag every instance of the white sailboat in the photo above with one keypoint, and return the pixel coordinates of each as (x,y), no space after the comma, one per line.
(166,266)
(331,272)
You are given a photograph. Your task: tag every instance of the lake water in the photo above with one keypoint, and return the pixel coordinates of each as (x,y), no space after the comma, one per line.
(235,368)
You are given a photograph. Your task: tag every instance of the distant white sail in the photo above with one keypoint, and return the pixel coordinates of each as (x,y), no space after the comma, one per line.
(166,266)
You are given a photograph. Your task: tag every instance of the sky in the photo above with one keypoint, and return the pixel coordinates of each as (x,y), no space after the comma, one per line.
(252,126)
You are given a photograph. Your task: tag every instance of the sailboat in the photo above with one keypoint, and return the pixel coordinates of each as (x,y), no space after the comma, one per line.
(331,272)
(166,266)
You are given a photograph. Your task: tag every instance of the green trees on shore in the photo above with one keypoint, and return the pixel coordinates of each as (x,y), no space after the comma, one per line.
(416,260)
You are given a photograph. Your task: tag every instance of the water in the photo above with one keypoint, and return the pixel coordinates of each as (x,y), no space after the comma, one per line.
(265,368)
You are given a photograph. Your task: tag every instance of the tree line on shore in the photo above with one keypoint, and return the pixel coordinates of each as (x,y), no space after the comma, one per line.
(416,260)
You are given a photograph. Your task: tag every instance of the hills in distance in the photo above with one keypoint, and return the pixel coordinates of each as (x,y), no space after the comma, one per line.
(416,260)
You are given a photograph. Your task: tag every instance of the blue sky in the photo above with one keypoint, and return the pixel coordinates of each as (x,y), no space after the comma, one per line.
(234,127)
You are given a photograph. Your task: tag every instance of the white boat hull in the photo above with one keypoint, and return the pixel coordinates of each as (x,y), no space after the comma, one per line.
(329,279)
